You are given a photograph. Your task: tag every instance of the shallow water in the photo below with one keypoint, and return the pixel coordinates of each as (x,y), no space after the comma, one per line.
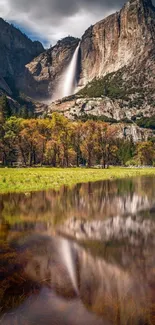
(114,270)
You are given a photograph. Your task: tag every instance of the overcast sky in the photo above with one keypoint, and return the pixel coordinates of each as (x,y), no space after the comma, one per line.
(50,20)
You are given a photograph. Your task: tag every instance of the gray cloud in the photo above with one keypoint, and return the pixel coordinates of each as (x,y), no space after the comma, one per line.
(62,8)
(53,19)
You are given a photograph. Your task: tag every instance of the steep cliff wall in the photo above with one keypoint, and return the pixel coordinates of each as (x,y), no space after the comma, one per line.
(118,51)
(43,74)
(118,40)
(16,50)
(125,39)
(117,66)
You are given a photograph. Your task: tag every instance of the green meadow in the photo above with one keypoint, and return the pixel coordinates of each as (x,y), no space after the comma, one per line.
(37,179)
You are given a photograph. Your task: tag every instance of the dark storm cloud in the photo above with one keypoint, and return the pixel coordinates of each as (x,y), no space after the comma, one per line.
(54,19)
(62,8)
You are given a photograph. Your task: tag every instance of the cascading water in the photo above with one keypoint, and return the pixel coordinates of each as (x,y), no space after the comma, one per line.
(67,83)
(70,76)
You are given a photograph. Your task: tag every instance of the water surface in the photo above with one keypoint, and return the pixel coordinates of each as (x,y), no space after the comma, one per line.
(115,279)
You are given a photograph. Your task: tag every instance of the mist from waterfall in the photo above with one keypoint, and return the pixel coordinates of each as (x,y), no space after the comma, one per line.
(68,83)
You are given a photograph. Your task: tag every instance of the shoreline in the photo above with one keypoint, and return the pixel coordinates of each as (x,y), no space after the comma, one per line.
(41,179)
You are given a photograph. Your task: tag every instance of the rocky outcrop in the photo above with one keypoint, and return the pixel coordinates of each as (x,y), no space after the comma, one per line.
(119,51)
(112,111)
(16,50)
(116,109)
(4,87)
(118,40)
(122,40)
(43,74)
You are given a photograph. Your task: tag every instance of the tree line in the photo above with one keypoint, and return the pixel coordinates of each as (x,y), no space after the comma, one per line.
(59,142)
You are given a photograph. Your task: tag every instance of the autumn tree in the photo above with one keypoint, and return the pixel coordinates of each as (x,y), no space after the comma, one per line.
(53,152)
(105,143)
(31,142)
(100,141)
(45,130)
(77,138)
(111,146)
(145,153)
(57,141)
(88,144)
(62,133)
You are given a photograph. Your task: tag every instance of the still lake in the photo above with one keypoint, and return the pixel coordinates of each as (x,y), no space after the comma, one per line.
(81,255)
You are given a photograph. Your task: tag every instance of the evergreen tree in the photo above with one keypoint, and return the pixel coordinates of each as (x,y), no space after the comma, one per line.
(5,109)
(24,112)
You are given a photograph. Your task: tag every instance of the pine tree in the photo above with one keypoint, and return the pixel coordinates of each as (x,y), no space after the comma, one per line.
(24,112)
(5,109)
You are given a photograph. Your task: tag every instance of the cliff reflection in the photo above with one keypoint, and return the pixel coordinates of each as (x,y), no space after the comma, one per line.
(108,292)
(108,274)
(90,201)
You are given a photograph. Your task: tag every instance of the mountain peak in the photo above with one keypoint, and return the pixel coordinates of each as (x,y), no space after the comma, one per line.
(15,38)
(146,2)
(16,50)
(141,3)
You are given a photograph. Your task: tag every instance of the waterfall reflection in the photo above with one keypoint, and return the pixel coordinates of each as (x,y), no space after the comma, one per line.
(100,281)
(93,201)
(108,291)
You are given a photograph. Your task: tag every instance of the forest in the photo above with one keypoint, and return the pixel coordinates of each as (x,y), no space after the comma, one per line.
(59,142)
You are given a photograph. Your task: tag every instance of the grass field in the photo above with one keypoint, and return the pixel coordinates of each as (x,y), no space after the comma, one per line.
(36,179)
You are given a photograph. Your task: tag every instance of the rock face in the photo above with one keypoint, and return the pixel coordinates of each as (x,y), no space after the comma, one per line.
(118,51)
(116,109)
(118,40)
(16,50)
(110,110)
(43,74)
(124,39)
(4,87)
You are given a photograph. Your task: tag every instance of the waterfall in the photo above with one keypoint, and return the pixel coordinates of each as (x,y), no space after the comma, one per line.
(67,83)
(70,76)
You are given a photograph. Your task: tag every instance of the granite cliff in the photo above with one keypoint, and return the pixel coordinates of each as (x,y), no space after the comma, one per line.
(42,75)
(16,50)
(124,40)
(116,65)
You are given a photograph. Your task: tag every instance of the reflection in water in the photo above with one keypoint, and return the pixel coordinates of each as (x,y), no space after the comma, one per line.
(90,201)
(67,256)
(110,281)
(107,289)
